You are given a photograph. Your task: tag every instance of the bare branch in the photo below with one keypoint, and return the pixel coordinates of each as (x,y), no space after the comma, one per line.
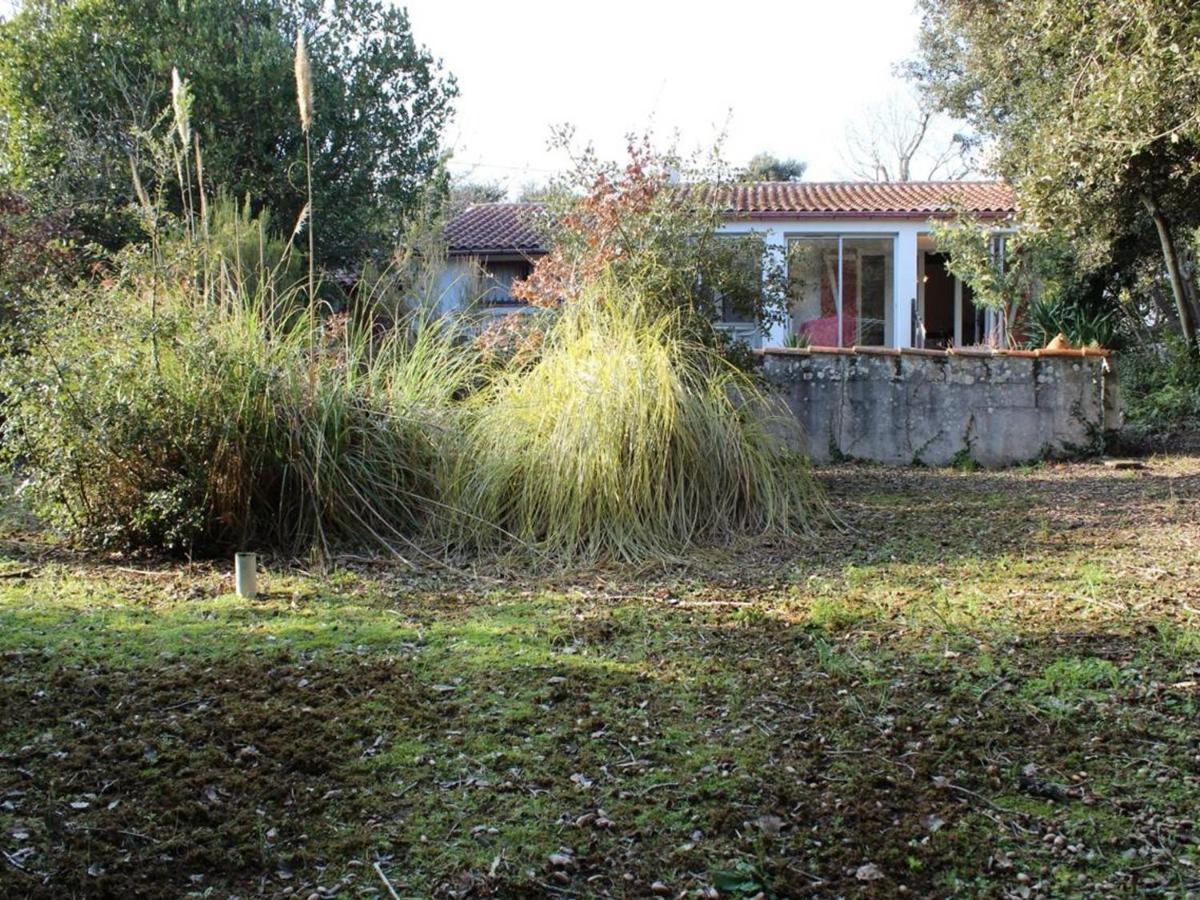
(898,137)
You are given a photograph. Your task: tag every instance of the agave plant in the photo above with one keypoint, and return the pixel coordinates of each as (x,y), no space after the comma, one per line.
(1083,324)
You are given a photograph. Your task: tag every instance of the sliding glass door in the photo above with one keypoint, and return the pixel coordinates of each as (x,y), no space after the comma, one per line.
(840,289)
(815,289)
(868,296)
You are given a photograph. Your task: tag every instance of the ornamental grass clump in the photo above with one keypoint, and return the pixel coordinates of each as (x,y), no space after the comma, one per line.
(199,398)
(243,423)
(626,440)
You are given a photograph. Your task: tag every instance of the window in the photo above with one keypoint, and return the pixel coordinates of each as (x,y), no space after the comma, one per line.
(498,278)
(735,290)
(840,289)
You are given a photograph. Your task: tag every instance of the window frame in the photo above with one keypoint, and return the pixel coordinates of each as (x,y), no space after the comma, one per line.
(839,299)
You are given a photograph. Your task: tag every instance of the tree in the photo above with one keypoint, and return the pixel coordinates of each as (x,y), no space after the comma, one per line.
(765,167)
(1092,110)
(536,192)
(899,140)
(633,223)
(81,81)
(467,193)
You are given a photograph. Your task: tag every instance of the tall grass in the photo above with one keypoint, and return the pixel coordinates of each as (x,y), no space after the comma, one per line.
(201,400)
(164,411)
(343,443)
(304,101)
(627,440)
(245,422)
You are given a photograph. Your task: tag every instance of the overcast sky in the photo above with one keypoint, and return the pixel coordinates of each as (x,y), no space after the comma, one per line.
(784,77)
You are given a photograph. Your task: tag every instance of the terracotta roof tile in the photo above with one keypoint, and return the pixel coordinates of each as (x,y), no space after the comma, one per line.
(515,227)
(901,199)
(497,228)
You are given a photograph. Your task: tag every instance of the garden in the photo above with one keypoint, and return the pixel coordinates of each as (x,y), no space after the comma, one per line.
(552,603)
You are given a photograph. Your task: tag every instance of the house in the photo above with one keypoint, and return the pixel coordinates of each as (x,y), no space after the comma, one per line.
(490,246)
(863,268)
(931,379)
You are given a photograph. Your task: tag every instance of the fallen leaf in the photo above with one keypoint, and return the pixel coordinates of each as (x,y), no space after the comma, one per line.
(770,824)
(869,872)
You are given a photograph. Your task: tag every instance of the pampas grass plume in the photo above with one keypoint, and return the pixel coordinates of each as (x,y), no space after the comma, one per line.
(181,102)
(304,88)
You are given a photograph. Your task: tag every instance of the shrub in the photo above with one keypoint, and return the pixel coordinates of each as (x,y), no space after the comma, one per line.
(634,224)
(38,253)
(186,424)
(625,440)
(1161,384)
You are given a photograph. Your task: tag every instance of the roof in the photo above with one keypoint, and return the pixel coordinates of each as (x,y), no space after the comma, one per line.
(494,228)
(852,199)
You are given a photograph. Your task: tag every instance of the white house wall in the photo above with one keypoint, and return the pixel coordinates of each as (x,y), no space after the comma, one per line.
(453,285)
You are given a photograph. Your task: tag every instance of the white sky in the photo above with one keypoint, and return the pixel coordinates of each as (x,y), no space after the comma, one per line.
(784,77)
(777,76)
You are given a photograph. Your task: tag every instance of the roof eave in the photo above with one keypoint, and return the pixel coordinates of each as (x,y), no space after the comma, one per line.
(901,215)
(496,251)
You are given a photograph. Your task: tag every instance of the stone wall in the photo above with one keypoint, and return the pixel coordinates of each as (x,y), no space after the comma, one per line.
(933,407)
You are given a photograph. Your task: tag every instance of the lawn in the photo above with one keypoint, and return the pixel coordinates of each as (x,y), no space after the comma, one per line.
(980,684)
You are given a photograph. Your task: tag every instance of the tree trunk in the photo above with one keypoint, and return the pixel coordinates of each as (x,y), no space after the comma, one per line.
(1183,300)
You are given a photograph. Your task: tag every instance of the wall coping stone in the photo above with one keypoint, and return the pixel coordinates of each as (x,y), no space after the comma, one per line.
(966,352)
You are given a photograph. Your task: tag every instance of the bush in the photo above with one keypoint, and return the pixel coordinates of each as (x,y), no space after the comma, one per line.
(148,416)
(1161,384)
(625,440)
(38,253)
(632,223)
